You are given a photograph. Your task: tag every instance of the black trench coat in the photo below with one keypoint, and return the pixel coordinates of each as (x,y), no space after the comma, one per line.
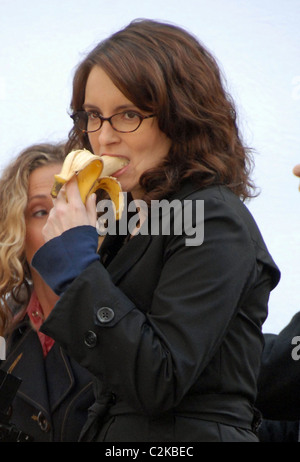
(278,385)
(173,332)
(52,401)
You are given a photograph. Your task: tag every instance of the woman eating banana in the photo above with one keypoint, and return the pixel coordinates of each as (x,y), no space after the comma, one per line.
(171,332)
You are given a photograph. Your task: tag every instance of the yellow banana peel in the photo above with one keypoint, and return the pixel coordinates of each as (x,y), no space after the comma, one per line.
(93,173)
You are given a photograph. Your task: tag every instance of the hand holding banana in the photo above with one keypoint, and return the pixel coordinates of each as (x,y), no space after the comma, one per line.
(82,174)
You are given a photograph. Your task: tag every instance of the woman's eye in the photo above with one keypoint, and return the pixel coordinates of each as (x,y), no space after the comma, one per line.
(93,115)
(40,213)
(130,115)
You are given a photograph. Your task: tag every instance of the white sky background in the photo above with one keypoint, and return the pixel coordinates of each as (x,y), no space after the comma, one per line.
(256,42)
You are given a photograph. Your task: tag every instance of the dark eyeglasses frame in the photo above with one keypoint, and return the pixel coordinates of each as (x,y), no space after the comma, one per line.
(108,119)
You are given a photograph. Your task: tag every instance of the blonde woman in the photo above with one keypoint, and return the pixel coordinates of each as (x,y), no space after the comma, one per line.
(15,275)
(55,392)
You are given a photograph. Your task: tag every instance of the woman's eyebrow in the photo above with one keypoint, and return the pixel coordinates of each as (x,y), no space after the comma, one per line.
(121,107)
(37,196)
(90,106)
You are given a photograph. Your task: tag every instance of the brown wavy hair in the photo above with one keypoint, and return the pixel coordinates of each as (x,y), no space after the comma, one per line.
(15,275)
(164,69)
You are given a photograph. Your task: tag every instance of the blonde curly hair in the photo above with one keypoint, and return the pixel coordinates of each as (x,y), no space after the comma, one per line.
(15,275)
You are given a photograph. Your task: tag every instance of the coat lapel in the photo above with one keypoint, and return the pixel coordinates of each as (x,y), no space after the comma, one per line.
(118,254)
(59,388)
(119,263)
(40,386)
(29,367)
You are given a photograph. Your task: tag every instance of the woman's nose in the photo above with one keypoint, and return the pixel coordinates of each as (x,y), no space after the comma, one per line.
(106,134)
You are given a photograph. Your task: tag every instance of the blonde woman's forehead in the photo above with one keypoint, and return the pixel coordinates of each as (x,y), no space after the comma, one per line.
(42,178)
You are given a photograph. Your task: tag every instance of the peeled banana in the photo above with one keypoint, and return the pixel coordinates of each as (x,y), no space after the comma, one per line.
(93,173)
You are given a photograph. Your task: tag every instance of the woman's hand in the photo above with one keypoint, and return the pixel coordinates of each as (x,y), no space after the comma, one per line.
(69,211)
(296,170)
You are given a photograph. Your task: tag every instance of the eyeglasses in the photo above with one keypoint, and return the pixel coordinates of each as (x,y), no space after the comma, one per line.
(123,122)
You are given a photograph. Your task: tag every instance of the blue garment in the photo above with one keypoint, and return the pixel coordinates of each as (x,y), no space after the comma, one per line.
(60,253)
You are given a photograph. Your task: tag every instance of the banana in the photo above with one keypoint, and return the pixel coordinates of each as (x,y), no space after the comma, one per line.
(93,173)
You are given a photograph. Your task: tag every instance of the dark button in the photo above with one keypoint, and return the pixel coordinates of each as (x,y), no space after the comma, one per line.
(43,422)
(105,314)
(90,339)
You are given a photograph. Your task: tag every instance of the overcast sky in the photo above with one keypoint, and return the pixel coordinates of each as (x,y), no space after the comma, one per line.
(257,44)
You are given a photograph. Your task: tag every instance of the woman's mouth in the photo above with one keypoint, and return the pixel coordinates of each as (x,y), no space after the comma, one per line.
(114,165)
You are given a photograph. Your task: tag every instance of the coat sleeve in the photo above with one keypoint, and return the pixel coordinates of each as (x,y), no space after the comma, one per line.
(58,264)
(152,359)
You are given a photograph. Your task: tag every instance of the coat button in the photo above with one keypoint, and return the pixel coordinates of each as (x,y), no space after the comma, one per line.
(43,422)
(90,339)
(105,314)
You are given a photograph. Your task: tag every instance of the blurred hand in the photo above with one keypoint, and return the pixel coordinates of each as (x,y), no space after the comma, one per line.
(296,170)
(69,211)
